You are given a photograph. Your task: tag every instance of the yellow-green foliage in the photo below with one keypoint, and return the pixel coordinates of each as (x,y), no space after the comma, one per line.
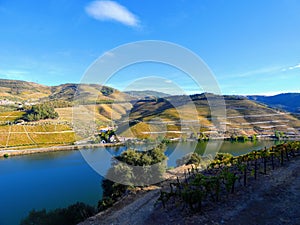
(138,129)
(17,128)
(35,128)
(47,128)
(11,116)
(59,127)
(3,138)
(58,138)
(16,139)
(65,113)
(31,135)
(4,129)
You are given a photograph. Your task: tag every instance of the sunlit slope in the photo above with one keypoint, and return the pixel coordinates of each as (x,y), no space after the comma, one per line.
(20,90)
(38,135)
(103,113)
(190,116)
(87,94)
(17,90)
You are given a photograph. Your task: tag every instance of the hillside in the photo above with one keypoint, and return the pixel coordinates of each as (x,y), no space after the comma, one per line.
(16,90)
(289,101)
(21,90)
(170,116)
(175,116)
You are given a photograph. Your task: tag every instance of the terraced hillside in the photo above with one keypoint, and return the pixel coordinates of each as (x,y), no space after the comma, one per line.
(16,133)
(170,116)
(35,135)
(174,117)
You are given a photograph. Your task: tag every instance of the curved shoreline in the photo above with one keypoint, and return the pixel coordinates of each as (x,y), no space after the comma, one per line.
(16,152)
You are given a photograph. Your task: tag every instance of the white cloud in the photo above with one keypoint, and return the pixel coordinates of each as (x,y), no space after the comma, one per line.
(110,10)
(294,67)
(291,67)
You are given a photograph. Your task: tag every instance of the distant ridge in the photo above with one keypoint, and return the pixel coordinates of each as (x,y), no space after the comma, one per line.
(287,101)
(146,93)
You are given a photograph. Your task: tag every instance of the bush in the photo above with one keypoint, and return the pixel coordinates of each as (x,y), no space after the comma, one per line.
(68,216)
(40,112)
(106,91)
(191,158)
(151,166)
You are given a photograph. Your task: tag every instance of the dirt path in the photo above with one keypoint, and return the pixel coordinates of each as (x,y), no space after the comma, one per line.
(272,199)
(135,213)
(276,202)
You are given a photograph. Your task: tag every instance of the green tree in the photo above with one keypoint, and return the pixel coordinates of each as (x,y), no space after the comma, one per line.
(71,215)
(40,112)
(132,168)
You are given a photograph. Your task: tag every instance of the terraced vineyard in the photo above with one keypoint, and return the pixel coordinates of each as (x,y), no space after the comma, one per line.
(224,175)
(243,117)
(10,116)
(33,134)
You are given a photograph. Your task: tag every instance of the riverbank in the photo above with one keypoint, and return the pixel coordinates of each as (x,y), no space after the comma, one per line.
(16,152)
(271,199)
(25,151)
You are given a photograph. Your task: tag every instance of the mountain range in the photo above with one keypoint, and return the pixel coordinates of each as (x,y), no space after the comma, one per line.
(287,101)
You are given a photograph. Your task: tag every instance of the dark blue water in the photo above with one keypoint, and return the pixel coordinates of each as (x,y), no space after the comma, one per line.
(59,179)
(46,180)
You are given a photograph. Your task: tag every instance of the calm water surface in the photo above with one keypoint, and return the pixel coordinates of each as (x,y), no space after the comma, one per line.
(59,179)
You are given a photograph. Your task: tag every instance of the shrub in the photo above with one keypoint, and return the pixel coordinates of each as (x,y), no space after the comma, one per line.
(73,214)
(40,112)
(151,166)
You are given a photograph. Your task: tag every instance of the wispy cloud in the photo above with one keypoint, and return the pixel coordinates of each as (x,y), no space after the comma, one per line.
(292,67)
(110,10)
(255,72)
(13,74)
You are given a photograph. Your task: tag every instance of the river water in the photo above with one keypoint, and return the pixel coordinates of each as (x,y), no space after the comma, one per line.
(58,179)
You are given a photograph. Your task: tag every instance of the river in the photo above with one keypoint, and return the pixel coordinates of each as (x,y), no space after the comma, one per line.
(58,179)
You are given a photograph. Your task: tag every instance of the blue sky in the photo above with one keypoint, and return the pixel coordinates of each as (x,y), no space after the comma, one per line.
(252,47)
